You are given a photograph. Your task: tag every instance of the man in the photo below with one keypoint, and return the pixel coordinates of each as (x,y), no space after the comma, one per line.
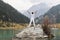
(32,17)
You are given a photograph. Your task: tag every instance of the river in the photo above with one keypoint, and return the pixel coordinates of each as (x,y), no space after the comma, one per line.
(8,34)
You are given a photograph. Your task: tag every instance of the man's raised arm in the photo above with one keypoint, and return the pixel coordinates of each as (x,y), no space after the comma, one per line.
(35,11)
(28,12)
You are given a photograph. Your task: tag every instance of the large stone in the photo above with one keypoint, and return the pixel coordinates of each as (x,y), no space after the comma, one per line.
(31,31)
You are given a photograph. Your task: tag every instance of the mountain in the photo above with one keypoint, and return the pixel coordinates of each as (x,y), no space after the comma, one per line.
(10,14)
(39,8)
(39,19)
(54,13)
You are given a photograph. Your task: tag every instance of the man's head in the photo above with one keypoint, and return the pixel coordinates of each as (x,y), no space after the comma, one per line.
(32,13)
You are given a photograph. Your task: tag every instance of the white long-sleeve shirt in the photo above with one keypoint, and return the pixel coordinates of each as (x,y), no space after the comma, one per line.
(32,16)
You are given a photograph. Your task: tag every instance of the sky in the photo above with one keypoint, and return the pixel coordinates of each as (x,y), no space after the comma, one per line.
(26,4)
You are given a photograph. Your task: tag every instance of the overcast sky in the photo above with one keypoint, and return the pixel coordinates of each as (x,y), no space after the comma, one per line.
(26,4)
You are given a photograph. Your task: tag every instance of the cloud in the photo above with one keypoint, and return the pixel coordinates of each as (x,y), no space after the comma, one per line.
(51,2)
(19,4)
(26,4)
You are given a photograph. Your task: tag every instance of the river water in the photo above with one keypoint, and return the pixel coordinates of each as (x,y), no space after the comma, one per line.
(9,34)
